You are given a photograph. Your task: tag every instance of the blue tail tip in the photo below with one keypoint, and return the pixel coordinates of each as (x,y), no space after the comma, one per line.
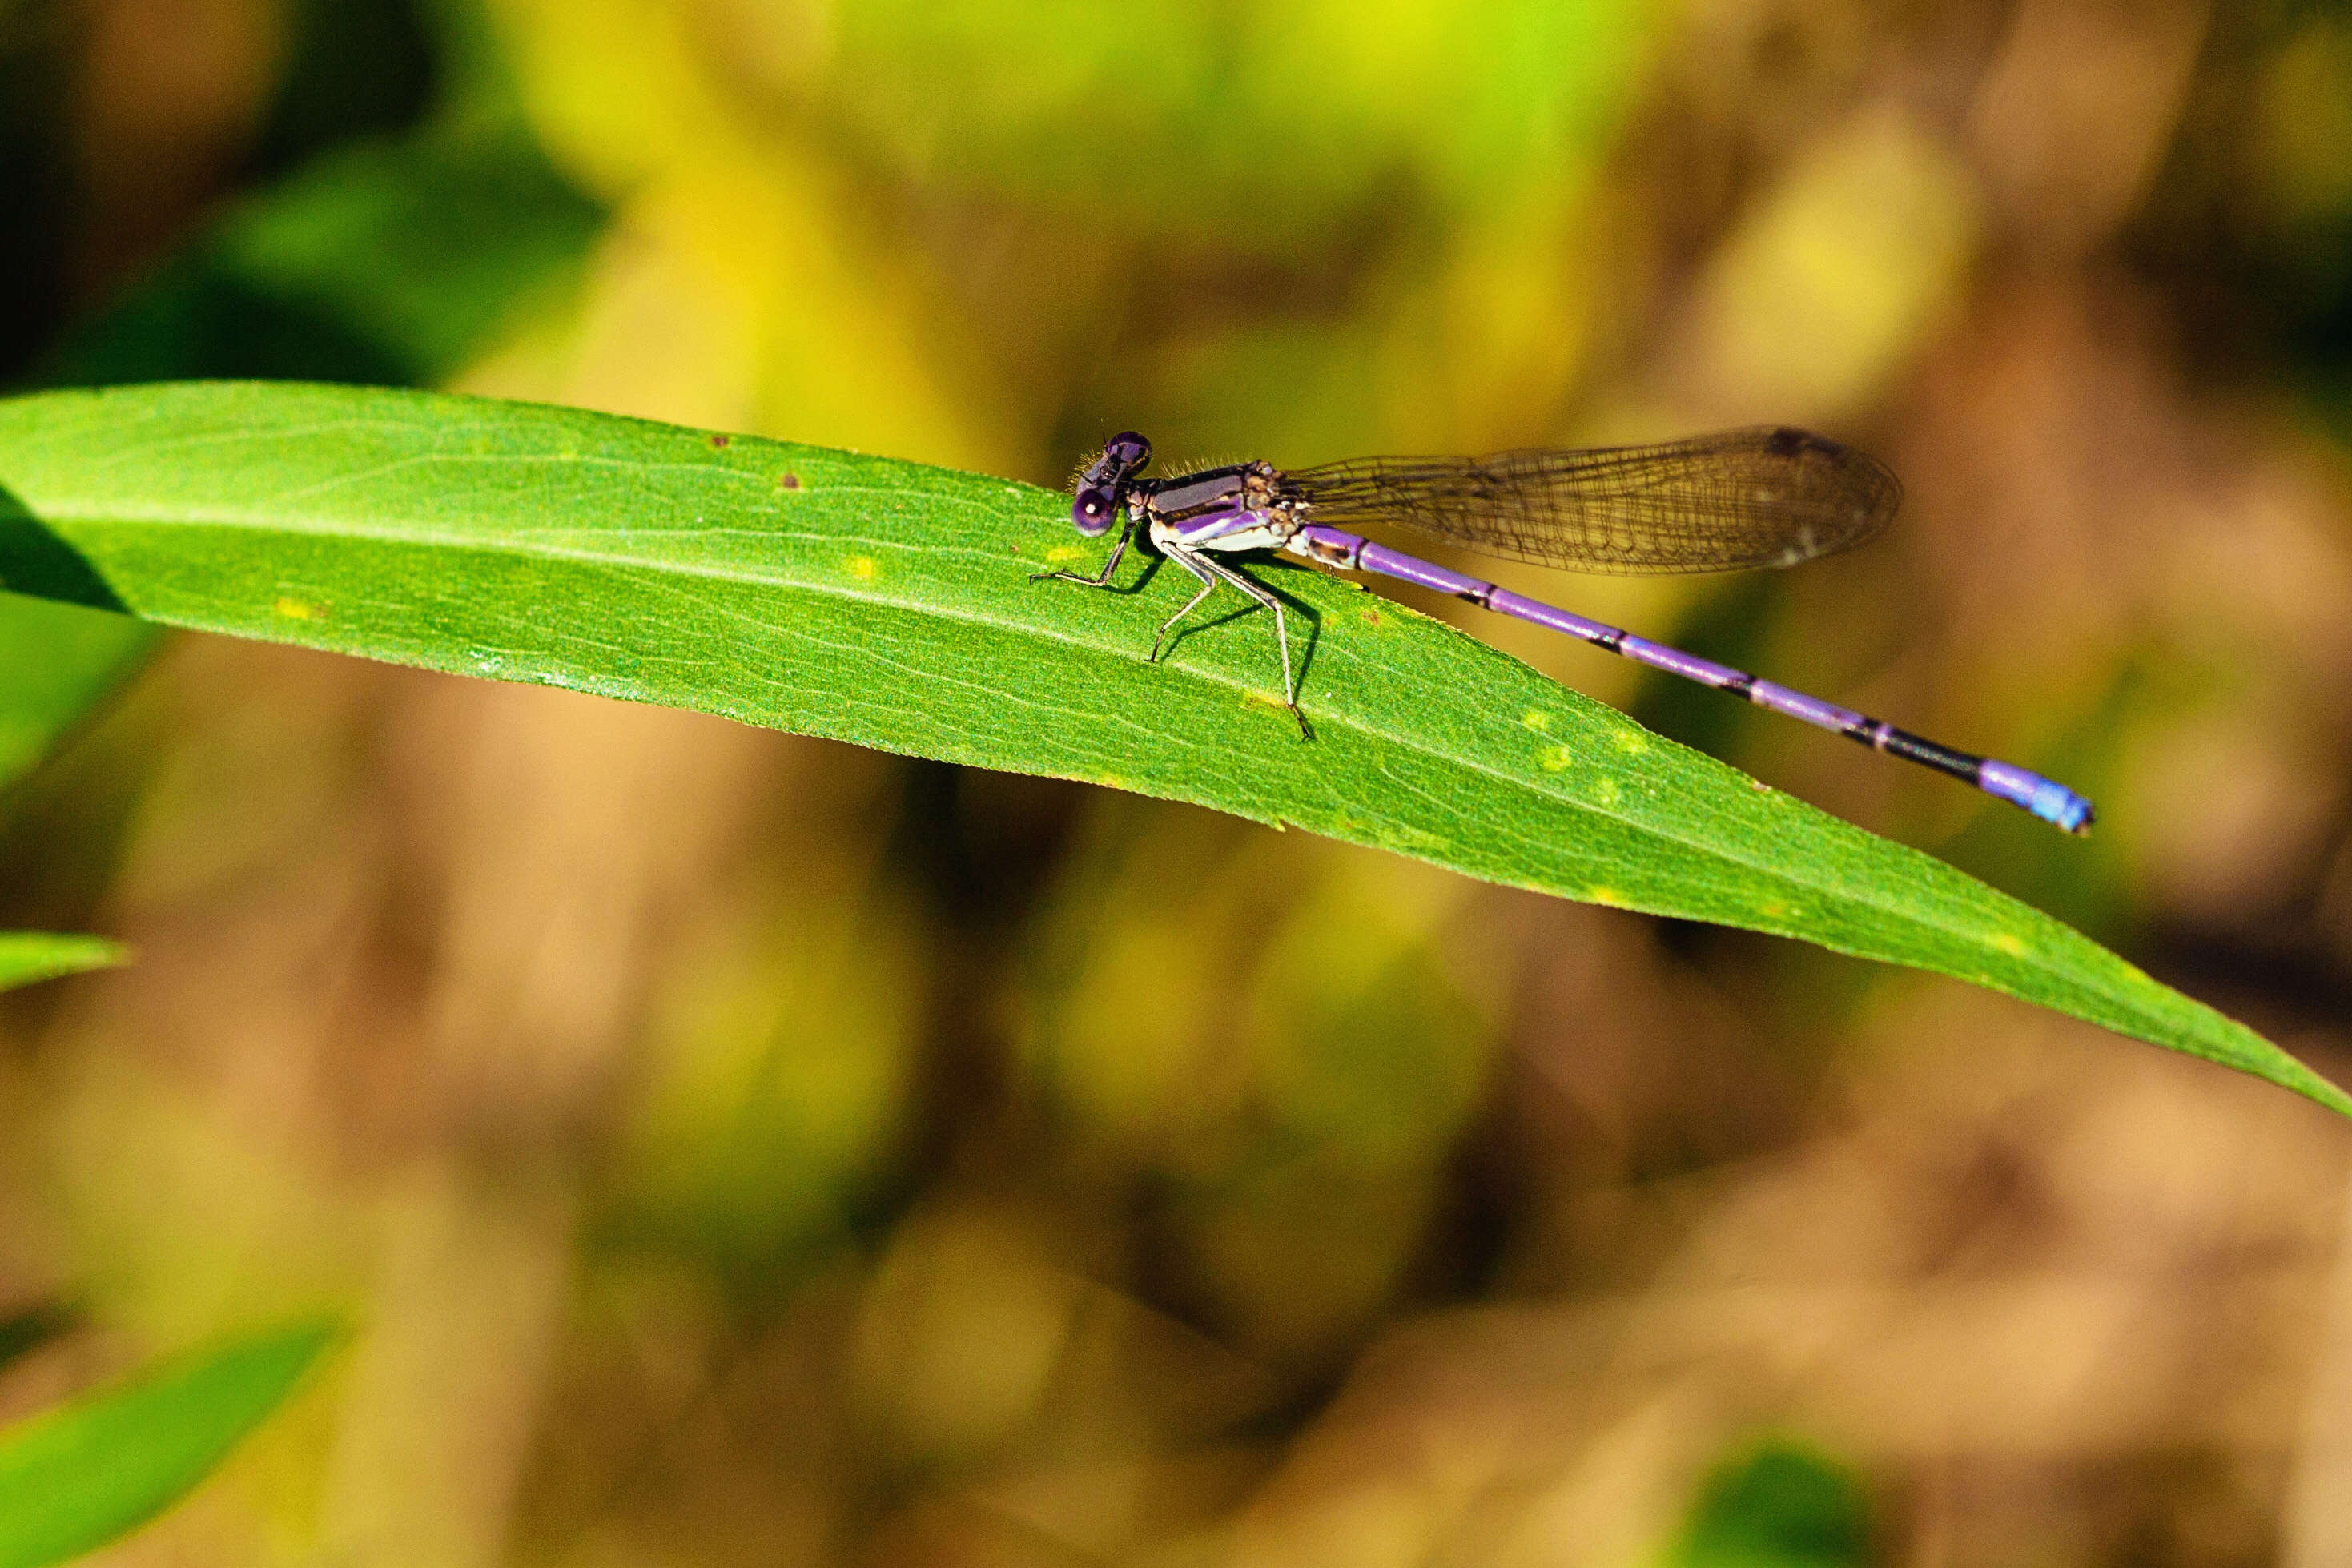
(2070,812)
(2048,799)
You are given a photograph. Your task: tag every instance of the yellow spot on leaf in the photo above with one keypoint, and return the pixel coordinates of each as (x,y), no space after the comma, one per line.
(2012,945)
(1604,792)
(1110,781)
(1633,742)
(1065,552)
(861,567)
(1604,894)
(1536,719)
(1555,758)
(299,610)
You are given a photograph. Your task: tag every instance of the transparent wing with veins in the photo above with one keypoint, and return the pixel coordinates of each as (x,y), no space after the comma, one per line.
(1765,497)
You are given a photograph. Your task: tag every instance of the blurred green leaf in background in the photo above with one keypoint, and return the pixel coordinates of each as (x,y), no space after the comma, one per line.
(1780,1505)
(75,1478)
(29,956)
(389,263)
(55,662)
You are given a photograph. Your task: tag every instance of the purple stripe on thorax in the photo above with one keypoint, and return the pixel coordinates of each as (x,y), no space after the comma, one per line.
(1206,526)
(1216,488)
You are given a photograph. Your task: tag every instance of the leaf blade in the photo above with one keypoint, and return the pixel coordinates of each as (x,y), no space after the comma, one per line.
(1780,1504)
(886,604)
(58,661)
(27,957)
(72,1479)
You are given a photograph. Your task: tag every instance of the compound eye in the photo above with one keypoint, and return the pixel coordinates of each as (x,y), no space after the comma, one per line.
(1092,512)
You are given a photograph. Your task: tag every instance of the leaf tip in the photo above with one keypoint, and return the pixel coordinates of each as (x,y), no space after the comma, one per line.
(29,957)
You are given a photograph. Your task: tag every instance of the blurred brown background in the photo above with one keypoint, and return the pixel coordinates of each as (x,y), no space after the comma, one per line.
(735,1148)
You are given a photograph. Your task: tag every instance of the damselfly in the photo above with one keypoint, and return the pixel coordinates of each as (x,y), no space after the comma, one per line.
(1764,497)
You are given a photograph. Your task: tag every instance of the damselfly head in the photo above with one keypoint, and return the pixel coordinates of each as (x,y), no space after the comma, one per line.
(1102,485)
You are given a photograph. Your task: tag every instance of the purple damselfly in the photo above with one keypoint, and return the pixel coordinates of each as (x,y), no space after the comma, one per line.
(1765,497)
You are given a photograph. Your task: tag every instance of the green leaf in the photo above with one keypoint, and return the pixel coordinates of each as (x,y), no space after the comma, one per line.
(74,1478)
(1780,1506)
(26,956)
(385,262)
(55,662)
(888,603)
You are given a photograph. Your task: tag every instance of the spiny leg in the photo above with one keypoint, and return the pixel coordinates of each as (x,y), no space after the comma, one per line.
(1268,599)
(1198,566)
(1101,579)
